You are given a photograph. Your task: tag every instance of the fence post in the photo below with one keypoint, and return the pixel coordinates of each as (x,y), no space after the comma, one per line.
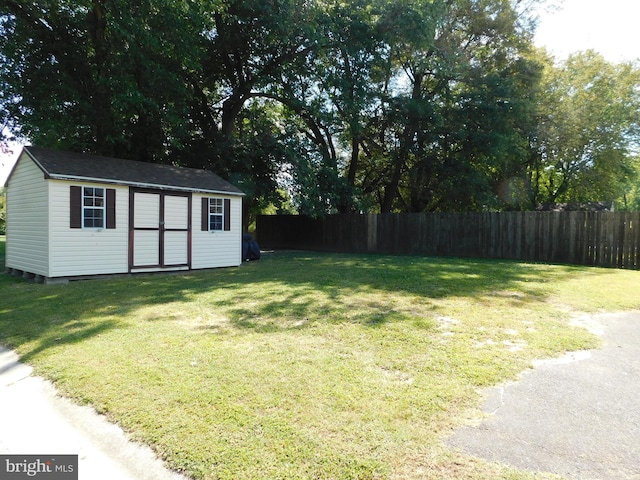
(372,232)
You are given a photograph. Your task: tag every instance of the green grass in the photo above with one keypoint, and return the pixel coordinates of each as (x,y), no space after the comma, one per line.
(306,365)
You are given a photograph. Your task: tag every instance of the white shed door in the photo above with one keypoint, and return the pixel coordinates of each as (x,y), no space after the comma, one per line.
(160,226)
(176,230)
(146,225)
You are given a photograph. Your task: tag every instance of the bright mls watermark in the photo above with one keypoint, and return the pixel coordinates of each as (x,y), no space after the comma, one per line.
(46,467)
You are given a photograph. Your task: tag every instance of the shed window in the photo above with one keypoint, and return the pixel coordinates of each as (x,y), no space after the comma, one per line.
(92,207)
(216,214)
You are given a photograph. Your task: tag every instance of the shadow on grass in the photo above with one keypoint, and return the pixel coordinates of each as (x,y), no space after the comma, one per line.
(34,317)
(325,286)
(288,290)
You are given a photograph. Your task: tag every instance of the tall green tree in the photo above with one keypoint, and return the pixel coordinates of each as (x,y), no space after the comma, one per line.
(255,62)
(252,45)
(630,199)
(418,105)
(452,126)
(97,76)
(589,130)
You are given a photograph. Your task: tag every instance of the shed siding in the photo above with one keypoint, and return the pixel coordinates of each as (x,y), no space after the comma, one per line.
(220,248)
(27,218)
(86,251)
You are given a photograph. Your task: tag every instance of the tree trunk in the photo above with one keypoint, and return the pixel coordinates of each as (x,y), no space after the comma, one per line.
(406,142)
(353,164)
(231,108)
(391,188)
(101,99)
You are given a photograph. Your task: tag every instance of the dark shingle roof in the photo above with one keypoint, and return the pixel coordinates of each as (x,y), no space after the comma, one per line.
(79,166)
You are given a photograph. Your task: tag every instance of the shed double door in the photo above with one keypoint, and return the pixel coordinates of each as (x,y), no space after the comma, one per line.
(159,230)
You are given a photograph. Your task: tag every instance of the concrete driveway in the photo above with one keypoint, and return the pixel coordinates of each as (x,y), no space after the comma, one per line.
(577,416)
(34,420)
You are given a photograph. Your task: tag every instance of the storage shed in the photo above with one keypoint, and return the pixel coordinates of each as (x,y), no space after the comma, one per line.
(74,215)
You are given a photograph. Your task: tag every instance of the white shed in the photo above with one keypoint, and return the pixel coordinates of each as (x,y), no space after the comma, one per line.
(73,215)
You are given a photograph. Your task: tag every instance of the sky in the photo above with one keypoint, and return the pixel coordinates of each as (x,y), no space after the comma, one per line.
(609,27)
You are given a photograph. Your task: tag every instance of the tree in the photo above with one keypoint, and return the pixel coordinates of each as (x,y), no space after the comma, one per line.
(350,74)
(95,77)
(374,105)
(260,152)
(252,44)
(452,128)
(630,199)
(589,130)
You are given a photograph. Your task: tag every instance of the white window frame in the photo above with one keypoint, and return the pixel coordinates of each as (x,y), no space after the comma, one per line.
(216,203)
(92,200)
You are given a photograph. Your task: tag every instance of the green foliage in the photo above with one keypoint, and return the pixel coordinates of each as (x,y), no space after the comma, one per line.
(372,105)
(589,130)
(629,201)
(449,125)
(90,77)
(259,148)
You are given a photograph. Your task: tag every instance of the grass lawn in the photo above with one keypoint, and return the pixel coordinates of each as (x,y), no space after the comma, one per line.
(306,365)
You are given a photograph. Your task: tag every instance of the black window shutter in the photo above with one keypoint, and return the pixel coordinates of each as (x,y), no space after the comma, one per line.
(227,214)
(75,207)
(111,208)
(205,215)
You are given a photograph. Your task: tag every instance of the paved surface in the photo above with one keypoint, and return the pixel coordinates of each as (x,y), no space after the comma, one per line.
(578,416)
(34,420)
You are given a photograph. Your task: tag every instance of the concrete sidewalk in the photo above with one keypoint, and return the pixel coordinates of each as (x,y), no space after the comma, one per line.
(34,420)
(577,416)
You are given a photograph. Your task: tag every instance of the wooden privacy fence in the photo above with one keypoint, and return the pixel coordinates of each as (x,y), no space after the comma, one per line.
(608,239)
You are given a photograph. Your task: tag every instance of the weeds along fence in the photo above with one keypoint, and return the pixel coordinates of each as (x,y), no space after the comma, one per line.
(607,239)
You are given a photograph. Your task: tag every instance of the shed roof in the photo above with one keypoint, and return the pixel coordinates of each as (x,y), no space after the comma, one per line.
(61,165)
